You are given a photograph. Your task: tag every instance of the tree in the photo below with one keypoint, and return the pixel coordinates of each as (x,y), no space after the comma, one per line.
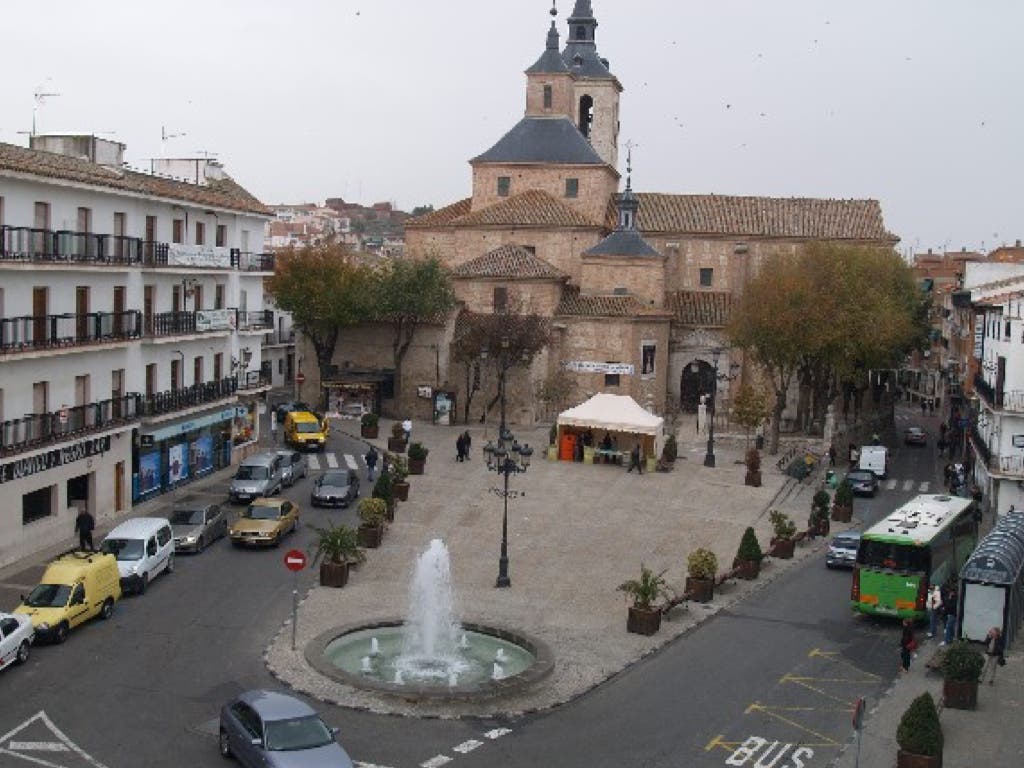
(409,293)
(554,391)
(324,288)
(422,210)
(750,408)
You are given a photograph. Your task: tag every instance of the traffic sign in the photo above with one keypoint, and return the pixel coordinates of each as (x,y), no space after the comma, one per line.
(63,416)
(295,560)
(858,714)
(300,378)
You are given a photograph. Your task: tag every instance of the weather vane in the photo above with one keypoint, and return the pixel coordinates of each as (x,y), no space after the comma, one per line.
(554,8)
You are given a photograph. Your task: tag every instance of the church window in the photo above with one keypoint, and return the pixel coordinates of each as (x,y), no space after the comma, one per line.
(581,32)
(586,114)
(572,187)
(648,351)
(707,276)
(504,185)
(547,97)
(500,299)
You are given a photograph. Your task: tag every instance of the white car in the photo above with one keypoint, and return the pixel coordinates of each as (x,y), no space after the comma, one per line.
(16,636)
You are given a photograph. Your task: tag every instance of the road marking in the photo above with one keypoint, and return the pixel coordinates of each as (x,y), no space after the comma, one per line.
(350,460)
(332,461)
(794,723)
(802,682)
(908,485)
(719,741)
(436,762)
(890,485)
(924,487)
(835,657)
(467,746)
(314,463)
(62,743)
(497,733)
(359,764)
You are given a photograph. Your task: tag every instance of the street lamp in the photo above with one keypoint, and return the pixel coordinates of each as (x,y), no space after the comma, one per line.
(709,457)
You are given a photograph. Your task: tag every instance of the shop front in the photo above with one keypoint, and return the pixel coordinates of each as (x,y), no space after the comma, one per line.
(178,453)
(353,392)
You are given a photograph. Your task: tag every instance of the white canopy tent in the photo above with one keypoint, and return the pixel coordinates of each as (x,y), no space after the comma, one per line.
(615,413)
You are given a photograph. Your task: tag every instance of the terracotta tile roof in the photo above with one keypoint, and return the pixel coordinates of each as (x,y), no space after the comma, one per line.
(761,217)
(532,208)
(704,308)
(509,261)
(574,303)
(223,193)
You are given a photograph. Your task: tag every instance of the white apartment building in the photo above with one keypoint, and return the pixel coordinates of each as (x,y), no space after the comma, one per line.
(131,324)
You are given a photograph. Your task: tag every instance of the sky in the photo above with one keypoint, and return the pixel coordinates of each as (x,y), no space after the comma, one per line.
(916,103)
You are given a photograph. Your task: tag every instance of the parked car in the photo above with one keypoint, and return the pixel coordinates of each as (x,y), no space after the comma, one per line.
(265,523)
(273,730)
(16,636)
(842,550)
(196,525)
(353,410)
(863,482)
(293,466)
(336,488)
(144,548)
(915,436)
(283,409)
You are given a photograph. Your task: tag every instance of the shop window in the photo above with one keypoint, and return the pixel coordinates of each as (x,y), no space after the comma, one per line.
(707,276)
(648,351)
(612,379)
(504,186)
(37,505)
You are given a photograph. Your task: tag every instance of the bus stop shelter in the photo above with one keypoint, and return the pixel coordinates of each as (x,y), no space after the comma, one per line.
(992,585)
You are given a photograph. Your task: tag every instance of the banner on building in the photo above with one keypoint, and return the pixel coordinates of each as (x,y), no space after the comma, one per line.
(979,335)
(583,366)
(215,319)
(15,470)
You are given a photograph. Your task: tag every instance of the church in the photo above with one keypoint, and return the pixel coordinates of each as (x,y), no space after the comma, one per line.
(638,286)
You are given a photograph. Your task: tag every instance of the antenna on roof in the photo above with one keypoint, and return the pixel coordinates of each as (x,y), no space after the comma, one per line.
(165,136)
(39,97)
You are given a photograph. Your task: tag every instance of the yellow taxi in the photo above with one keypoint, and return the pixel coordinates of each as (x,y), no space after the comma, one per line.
(265,523)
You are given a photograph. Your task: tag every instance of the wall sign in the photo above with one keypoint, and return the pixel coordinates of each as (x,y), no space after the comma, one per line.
(583,366)
(16,470)
(1018,441)
(215,319)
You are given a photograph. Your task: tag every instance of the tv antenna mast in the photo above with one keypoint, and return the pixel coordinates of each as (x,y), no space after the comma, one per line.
(165,136)
(39,97)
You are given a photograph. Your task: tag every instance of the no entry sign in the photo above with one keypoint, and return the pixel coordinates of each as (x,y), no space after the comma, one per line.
(300,378)
(295,560)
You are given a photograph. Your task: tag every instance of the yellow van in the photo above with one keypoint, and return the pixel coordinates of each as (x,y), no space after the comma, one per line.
(75,587)
(305,431)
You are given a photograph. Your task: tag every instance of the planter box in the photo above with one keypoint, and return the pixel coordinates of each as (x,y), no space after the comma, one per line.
(401,491)
(748,569)
(960,694)
(333,574)
(370,433)
(416,466)
(842,514)
(370,536)
(908,760)
(783,548)
(396,444)
(752,478)
(643,621)
(700,590)
(552,453)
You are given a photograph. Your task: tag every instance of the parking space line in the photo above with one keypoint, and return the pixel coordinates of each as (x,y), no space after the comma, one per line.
(436,762)
(497,733)
(801,682)
(890,485)
(719,741)
(924,487)
(467,746)
(829,742)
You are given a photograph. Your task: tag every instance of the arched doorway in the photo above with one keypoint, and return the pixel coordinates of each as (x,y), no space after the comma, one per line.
(698,379)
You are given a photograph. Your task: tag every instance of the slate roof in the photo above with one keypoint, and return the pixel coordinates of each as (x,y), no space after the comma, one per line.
(511,262)
(542,140)
(574,303)
(704,308)
(532,208)
(223,193)
(761,217)
(550,62)
(623,242)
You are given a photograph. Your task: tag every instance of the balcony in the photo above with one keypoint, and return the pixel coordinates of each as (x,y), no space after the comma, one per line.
(252,380)
(276,339)
(1011,401)
(28,244)
(39,332)
(39,430)
(981,446)
(255,321)
(175,400)
(252,262)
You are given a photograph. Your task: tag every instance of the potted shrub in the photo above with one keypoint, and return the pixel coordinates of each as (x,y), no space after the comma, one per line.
(701,570)
(371,513)
(384,489)
(818,520)
(399,469)
(368,426)
(842,504)
(783,544)
(749,555)
(396,442)
(753,462)
(644,618)
(961,670)
(417,458)
(336,549)
(670,451)
(919,735)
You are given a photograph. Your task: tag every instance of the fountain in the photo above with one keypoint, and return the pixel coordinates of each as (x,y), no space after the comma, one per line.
(431,654)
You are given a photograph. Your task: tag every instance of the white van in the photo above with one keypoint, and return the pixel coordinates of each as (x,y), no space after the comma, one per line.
(144,548)
(874,458)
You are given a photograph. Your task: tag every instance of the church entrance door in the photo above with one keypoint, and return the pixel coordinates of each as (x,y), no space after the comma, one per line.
(698,379)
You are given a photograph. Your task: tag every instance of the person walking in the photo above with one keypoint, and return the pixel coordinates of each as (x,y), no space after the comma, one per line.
(84,525)
(407,429)
(467,443)
(994,647)
(950,601)
(832,455)
(460,447)
(933,604)
(908,646)
(371,463)
(634,460)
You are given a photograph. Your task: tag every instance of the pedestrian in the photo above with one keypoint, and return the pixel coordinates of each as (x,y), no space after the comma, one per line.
(934,607)
(942,446)
(947,473)
(460,447)
(634,460)
(467,443)
(407,429)
(931,406)
(994,646)
(371,462)
(943,428)
(950,602)
(832,455)
(84,525)
(908,646)
(1011,510)
(924,406)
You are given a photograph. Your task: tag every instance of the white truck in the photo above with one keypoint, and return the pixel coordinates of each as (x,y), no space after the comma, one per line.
(874,458)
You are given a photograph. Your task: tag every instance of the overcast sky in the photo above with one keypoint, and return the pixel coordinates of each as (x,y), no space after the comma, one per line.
(917,103)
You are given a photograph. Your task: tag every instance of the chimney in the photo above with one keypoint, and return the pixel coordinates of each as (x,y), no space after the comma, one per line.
(84,146)
(929,251)
(1017,244)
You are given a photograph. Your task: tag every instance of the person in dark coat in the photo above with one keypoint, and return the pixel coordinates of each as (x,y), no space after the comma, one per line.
(908,645)
(460,447)
(467,442)
(371,462)
(950,604)
(832,455)
(84,525)
(634,460)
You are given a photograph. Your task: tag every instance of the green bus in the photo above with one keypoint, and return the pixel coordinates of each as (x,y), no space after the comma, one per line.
(924,542)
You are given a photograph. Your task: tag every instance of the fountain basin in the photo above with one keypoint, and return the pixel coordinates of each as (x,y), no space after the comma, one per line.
(339,654)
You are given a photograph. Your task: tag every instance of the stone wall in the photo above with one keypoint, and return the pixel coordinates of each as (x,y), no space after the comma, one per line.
(642,277)
(597,183)
(536,297)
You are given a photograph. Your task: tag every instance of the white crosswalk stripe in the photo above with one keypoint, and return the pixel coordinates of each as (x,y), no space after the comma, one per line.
(332,460)
(908,484)
(923,488)
(891,485)
(314,463)
(350,460)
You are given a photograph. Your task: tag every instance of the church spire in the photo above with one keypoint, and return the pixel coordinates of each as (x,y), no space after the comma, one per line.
(627,203)
(550,62)
(580,52)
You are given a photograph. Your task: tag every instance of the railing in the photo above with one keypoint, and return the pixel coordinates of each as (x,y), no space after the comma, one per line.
(987,391)
(254,321)
(252,262)
(1010,465)
(170,323)
(45,245)
(279,338)
(179,399)
(19,334)
(36,430)
(981,445)
(253,380)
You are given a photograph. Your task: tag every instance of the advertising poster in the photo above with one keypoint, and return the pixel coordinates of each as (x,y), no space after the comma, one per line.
(202,454)
(177,463)
(149,472)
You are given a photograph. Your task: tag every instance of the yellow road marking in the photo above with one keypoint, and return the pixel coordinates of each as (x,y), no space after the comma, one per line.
(823,737)
(801,682)
(835,656)
(719,741)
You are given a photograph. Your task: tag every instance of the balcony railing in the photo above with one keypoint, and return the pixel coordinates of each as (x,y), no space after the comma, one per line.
(179,399)
(37,430)
(279,338)
(1003,400)
(981,445)
(170,323)
(255,321)
(32,332)
(252,262)
(253,380)
(64,246)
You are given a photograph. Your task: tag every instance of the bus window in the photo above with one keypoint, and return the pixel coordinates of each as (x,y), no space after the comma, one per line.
(896,557)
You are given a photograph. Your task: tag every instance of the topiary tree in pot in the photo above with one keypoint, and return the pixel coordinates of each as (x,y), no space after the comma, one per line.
(753,462)
(644,618)
(783,544)
(749,556)
(919,735)
(701,570)
(384,489)
(372,513)
(817,522)
(398,467)
(961,670)
(397,441)
(417,458)
(842,504)
(368,426)
(670,451)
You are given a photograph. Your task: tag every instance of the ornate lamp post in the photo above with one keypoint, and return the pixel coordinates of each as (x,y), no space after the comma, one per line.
(709,457)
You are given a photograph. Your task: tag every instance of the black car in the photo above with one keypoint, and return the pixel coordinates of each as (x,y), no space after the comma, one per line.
(863,482)
(283,409)
(335,488)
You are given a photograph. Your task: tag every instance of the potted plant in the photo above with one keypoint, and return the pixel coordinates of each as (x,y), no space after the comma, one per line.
(753,462)
(398,466)
(371,521)
(818,520)
(783,545)
(919,735)
(701,570)
(396,442)
(961,670)
(749,555)
(644,618)
(670,451)
(417,458)
(336,549)
(842,504)
(384,489)
(368,426)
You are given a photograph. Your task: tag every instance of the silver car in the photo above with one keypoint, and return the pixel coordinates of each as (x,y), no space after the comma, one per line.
(335,488)
(265,729)
(293,466)
(842,550)
(197,524)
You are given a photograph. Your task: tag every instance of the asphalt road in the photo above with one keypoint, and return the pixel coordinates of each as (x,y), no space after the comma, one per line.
(778,674)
